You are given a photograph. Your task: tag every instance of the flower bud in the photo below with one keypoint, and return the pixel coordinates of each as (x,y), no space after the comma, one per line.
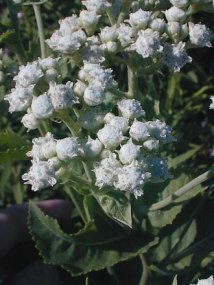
(94,95)
(79,88)
(30,121)
(130,108)
(61,95)
(110,136)
(139,131)
(180,3)
(200,35)
(42,107)
(92,119)
(89,20)
(92,148)
(66,148)
(140,19)
(49,63)
(151,145)
(129,152)
(175,14)
(108,34)
(176,31)
(158,25)
(120,122)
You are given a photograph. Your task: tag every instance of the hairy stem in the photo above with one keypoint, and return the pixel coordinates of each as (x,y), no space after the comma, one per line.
(145,274)
(132,82)
(37,12)
(189,186)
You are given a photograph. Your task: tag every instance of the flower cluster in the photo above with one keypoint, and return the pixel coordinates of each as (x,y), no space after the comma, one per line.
(109,131)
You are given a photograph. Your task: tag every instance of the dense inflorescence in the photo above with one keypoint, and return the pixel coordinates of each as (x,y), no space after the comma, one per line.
(109,130)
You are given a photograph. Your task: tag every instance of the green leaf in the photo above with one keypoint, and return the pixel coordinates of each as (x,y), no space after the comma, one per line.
(173,163)
(96,246)
(12,147)
(175,282)
(117,206)
(166,215)
(172,244)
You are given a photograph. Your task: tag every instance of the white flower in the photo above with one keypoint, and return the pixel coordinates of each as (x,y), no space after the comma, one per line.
(208,281)
(61,95)
(69,24)
(110,136)
(40,175)
(92,148)
(161,131)
(66,148)
(28,74)
(175,14)
(93,51)
(175,56)
(42,107)
(95,74)
(176,31)
(129,152)
(66,43)
(140,19)
(43,147)
(48,63)
(119,122)
(151,144)
(130,108)
(126,35)
(79,88)
(89,20)
(180,3)
(158,25)
(212,103)
(139,131)
(94,95)
(108,34)
(200,35)
(30,121)
(19,99)
(92,119)
(106,171)
(98,6)
(158,169)
(131,178)
(147,43)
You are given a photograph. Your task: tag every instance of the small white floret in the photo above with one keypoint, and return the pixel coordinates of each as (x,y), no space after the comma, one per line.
(130,108)
(19,99)
(148,43)
(67,148)
(129,152)
(92,148)
(175,14)
(110,136)
(140,19)
(175,56)
(94,95)
(139,131)
(30,121)
(200,35)
(98,6)
(40,175)
(42,107)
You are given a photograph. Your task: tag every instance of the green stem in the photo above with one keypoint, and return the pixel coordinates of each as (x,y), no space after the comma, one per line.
(189,186)
(132,82)
(69,122)
(145,274)
(113,274)
(37,12)
(87,171)
(71,193)
(110,16)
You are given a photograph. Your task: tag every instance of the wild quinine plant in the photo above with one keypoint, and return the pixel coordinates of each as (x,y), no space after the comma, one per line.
(97,139)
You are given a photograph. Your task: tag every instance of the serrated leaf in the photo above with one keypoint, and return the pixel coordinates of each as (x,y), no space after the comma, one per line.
(95,247)
(117,206)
